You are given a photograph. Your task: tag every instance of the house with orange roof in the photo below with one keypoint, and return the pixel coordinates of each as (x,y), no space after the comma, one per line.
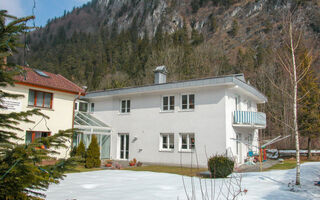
(52,93)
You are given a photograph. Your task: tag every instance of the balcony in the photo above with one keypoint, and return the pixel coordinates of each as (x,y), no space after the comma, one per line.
(249,119)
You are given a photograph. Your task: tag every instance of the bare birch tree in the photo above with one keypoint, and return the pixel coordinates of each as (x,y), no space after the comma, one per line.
(287,57)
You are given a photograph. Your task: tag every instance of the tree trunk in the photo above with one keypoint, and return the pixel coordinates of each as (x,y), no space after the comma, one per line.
(295,112)
(309,147)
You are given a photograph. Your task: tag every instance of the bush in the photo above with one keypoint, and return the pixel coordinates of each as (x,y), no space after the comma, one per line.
(93,154)
(220,166)
(234,28)
(73,152)
(81,150)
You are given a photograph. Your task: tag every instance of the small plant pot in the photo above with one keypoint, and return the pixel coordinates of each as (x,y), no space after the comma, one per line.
(132,164)
(109,165)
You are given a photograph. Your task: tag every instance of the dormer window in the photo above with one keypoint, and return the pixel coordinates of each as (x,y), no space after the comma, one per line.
(41,73)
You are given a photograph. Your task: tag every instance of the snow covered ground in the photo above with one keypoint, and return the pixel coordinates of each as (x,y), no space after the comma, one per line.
(121,184)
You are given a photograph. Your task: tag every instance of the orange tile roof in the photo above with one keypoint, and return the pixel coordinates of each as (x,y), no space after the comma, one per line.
(51,81)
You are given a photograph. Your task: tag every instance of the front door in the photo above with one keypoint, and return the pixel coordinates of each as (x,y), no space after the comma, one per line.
(124,146)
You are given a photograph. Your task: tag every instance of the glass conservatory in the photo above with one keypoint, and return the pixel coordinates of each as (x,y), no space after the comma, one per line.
(87,125)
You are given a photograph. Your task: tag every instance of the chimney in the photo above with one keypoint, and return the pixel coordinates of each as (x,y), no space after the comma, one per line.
(160,75)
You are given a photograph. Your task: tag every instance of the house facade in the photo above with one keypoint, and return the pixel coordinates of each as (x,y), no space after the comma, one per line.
(177,123)
(53,94)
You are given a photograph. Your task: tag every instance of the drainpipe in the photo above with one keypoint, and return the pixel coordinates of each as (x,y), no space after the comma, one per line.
(73,115)
(73,110)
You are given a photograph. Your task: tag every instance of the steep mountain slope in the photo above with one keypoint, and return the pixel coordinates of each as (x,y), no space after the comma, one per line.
(225,25)
(117,43)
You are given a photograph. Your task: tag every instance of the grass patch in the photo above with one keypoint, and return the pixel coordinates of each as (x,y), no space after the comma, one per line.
(185,171)
(83,169)
(287,164)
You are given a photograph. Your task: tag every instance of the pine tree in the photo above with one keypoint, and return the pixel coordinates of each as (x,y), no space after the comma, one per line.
(309,108)
(21,174)
(81,150)
(93,154)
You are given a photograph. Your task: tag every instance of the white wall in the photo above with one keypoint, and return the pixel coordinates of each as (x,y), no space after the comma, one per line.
(146,122)
(231,131)
(60,116)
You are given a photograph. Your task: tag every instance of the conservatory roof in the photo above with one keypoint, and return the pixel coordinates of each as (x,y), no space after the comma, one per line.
(90,124)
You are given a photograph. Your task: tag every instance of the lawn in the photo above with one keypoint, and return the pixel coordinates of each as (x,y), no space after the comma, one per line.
(83,169)
(185,171)
(287,164)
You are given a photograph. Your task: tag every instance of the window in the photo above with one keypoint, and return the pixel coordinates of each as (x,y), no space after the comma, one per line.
(187,101)
(167,141)
(92,107)
(40,99)
(125,106)
(249,105)
(83,106)
(167,103)
(76,106)
(187,141)
(237,103)
(31,136)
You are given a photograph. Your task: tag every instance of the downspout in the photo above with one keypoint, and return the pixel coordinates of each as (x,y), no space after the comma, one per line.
(73,115)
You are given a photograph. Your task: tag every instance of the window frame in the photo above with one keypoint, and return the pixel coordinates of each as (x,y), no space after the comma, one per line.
(188,149)
(169,103)
(33,135)
(249,105)
(169,142)
(126,110)
(237,101)
(35,99)
(92,107)
(188,102)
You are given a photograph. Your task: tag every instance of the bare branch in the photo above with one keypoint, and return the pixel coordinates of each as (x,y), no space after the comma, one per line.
(299,99)
(281,121)
(275,85)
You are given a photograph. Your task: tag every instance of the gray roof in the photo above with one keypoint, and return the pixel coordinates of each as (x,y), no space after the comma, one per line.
(161,69)
(236,79)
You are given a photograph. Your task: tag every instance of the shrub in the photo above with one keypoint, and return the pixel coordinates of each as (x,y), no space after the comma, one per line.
(93,154)
(234,28)
(81,150)
(73,152)
(220,166)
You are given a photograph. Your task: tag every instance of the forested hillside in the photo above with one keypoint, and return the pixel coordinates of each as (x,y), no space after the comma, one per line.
(117,43)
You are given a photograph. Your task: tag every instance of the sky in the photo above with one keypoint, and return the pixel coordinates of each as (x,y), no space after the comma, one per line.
(44,9)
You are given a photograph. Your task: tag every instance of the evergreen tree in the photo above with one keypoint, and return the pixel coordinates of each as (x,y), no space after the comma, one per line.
(309,108)
(93,154)
(21,174)
(234,28)
(81,150)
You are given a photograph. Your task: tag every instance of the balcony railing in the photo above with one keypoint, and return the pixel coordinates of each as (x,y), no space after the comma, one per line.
(249,118)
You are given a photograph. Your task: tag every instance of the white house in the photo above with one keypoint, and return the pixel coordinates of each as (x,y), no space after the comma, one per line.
(52,93)
(174,123)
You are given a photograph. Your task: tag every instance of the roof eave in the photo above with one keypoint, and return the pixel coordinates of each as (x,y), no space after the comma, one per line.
(50,88)
(252,90)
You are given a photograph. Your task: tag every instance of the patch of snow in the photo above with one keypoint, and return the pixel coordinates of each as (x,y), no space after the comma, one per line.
(121,184)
